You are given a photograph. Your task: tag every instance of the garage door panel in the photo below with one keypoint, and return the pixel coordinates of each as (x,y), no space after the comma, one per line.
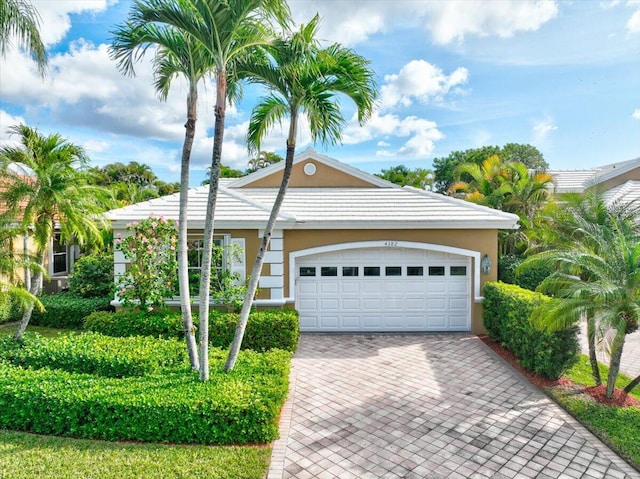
(409,299)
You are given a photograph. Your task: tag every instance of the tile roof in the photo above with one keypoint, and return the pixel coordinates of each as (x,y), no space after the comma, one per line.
(576,181)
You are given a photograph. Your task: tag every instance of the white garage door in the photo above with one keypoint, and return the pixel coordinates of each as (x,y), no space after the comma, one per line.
(384,289)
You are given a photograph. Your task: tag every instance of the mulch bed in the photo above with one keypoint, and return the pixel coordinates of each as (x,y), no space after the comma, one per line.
(620,398)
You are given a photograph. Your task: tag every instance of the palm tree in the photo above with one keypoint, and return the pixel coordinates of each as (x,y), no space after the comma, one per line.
(46,186)
(176,55)
(18,19)
(302,78)
(597,277)
(488,183)
(229,31)
(262,160)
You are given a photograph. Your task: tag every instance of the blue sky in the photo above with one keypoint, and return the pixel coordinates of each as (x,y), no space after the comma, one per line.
(562,76)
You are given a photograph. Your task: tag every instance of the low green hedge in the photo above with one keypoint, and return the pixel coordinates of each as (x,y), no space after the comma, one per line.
(266,329)
(94,353)
(126,322)
(507,309)
(63,310)
(241,406)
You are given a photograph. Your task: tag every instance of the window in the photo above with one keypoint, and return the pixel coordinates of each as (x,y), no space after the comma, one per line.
(329,271)
(458,271)
(194,253)
(350,271)
(372,270)
(436,270)
(60,256)
(307,270)
(415,271)
(393,271)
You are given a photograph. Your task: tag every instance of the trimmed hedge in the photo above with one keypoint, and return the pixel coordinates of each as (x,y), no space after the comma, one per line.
(507,309)
(63,310)
(266,329)
(7,310)
(127,322)
(241,406)
(529,278)
(94,353)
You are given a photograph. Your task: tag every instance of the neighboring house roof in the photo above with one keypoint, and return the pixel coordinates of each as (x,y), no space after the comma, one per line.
(629,191)
(576,181)
(381,205)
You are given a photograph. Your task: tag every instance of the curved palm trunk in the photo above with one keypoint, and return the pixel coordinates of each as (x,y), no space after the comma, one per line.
(36,289)
(264,245)
(205,275)
(629,387)
(591,341)
(183,258)
(616,356)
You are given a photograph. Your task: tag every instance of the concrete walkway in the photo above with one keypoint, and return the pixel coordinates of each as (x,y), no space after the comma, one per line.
(425,406)
(630,362)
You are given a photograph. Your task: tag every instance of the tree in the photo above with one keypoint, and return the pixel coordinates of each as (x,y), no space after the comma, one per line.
(19,20)
(507,186)
(177,54)
(401,175)
(444,168)
(46,185)
(225,172)
(228,31)
(301,78)
(262,160)
(596,276)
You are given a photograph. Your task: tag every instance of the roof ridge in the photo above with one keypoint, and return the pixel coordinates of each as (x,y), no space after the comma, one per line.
(240,197)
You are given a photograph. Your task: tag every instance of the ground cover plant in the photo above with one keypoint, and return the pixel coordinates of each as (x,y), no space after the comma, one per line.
(164,403)
(25,456)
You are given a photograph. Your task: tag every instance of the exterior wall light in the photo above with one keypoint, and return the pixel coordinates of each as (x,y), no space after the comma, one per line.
(485,264)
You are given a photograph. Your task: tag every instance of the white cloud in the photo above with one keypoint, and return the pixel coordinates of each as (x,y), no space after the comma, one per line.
(350,22)
(419,80)
(55,20)
(636,114)
(542,129)
(7,120)
(633,25)
(383,143)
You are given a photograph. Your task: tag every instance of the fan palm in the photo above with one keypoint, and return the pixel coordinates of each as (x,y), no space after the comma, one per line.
(177,54)
(228,30)
(44,187)
(301,78)
(597,277)
(18,19)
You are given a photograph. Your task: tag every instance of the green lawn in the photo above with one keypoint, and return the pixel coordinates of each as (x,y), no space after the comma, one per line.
(618,427)
(25,456)
(9,329)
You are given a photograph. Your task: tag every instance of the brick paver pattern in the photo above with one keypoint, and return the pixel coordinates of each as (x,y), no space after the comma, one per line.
(425,406)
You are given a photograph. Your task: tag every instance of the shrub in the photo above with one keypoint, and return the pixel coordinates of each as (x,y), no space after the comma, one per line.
(507,309)
(127,322)
(63,310)
(94,353)
(6,308)
(241,406)
(529,278)
(93,276)
(267,329)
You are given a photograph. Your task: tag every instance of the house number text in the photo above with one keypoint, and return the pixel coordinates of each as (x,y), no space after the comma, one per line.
(391,243)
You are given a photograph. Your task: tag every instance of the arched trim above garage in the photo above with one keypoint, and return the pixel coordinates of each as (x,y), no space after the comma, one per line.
(475,255)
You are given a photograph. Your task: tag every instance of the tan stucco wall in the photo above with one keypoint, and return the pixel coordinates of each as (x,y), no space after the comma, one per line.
(324,177)
(483,241)
(619,180)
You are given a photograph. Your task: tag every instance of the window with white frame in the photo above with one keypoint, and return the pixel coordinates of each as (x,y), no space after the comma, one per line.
(195,253)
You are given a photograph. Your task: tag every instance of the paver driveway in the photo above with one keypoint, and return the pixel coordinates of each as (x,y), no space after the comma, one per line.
(425,406)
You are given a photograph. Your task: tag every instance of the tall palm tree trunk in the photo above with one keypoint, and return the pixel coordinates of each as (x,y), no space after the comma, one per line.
(629,387)
(183,258)
(591,341)
(205,275)
(616,356)
(264,246)
(36,289)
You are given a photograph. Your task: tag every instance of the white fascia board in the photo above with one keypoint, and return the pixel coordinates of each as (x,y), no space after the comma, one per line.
(620,169)
(218,224)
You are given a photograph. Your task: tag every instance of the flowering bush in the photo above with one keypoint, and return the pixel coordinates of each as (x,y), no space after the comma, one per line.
(151,275)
